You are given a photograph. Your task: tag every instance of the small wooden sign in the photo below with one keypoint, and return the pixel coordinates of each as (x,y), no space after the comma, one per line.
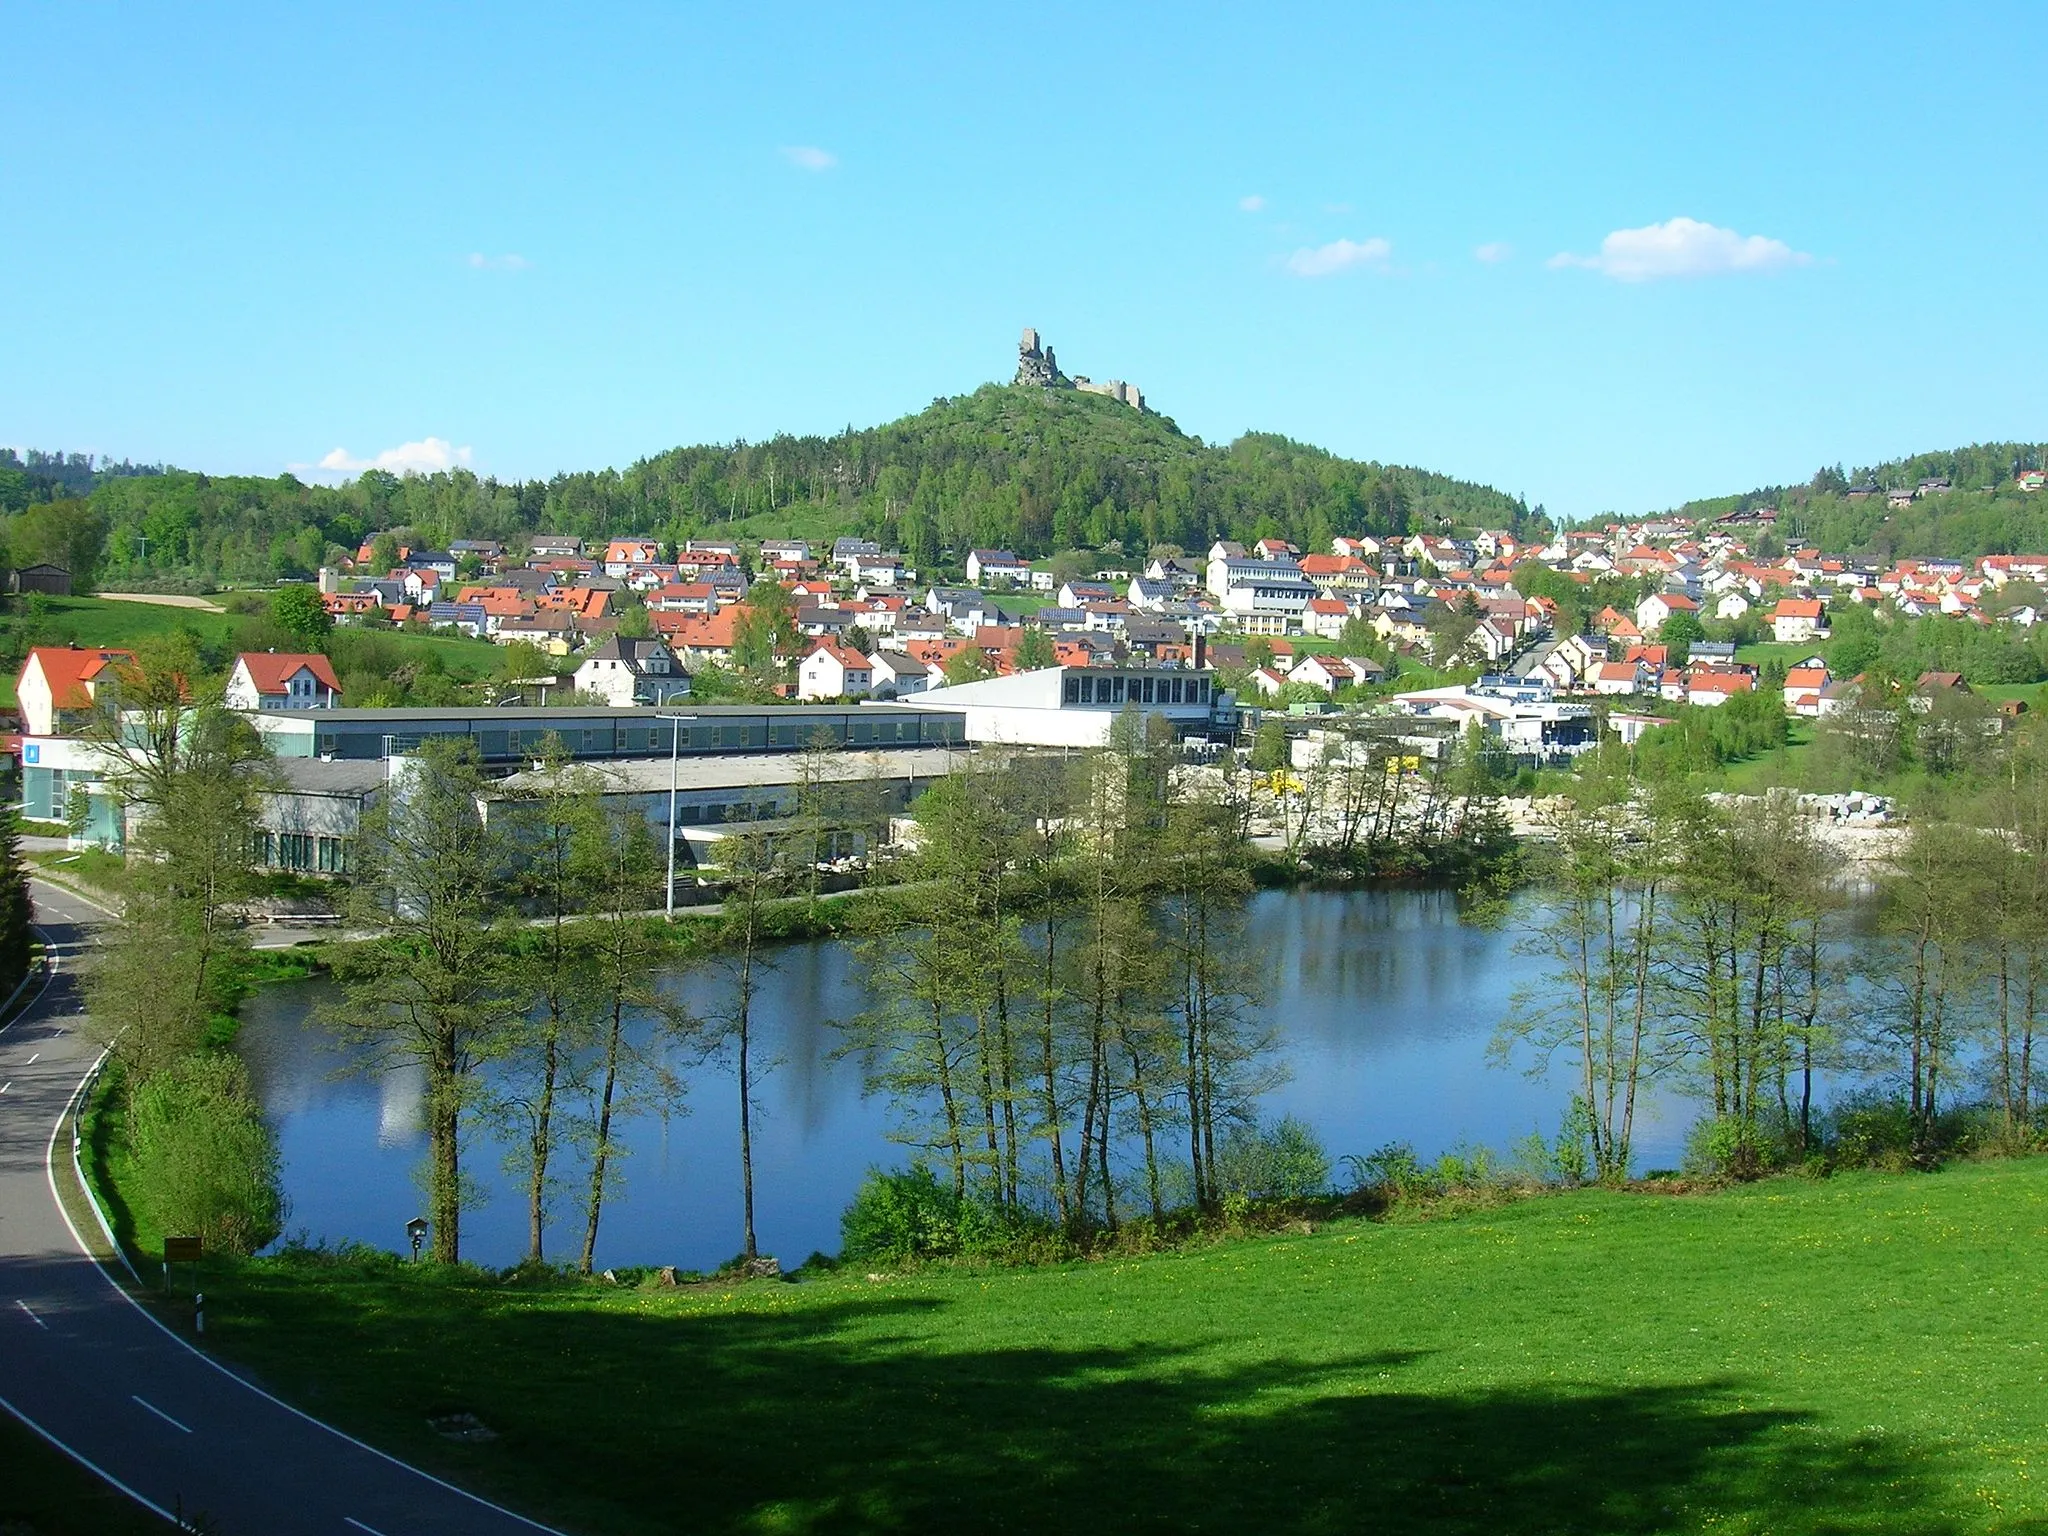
(183,1250)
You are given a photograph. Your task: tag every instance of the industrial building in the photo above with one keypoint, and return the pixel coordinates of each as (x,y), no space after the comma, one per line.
(1076,706)
(333,765)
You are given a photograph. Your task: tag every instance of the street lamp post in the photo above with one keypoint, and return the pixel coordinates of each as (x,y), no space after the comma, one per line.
(675,741)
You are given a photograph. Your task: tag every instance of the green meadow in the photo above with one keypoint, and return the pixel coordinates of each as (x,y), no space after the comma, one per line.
(1867,1353)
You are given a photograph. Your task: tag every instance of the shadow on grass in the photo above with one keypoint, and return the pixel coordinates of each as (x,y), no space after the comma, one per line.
(879,1414)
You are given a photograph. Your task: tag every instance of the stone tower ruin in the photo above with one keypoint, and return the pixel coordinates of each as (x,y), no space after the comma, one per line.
(1037,366)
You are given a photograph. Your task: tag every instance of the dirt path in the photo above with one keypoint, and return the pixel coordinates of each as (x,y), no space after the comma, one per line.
(164,600)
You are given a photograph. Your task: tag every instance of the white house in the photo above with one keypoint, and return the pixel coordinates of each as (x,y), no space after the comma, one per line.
(1330,673)
(1804,686)
(1572,660)
(832,669)
(1615,677)
(1654,610)
(59,685)
(1149,593)
(272,680)
(624,672)
(621,555)
(1797,619)
(893,675)
(1326,616)
(995,566)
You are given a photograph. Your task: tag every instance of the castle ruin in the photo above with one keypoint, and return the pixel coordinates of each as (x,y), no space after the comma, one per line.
(1037,366)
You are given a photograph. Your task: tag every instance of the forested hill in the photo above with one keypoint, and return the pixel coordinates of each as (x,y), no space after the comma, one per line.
(1986,512)
(1022,468)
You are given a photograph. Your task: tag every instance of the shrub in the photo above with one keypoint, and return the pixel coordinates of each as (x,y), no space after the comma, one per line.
(1734,1147)
(205,1163)
(1876,1130)
(1283,1161)
(907,1215)
(1393,1172)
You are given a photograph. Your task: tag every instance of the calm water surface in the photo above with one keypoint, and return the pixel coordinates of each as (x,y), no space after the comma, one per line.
(1384,1002)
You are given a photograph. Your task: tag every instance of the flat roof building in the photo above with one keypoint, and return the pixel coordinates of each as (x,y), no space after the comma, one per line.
(505,738)
(1076,706)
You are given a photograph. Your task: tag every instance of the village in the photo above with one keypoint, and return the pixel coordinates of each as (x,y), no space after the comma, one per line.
(1286,626)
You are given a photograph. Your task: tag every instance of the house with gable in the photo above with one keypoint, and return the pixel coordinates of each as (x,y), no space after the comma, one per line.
(621,555)
(832,669)
(1796,619)
(1805,685)
(60,686)
(1653,611)
(624,672)
(1330,673)
(280,680)
(996,566)
(1326,616)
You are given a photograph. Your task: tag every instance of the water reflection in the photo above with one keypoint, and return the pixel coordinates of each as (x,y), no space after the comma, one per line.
(1384,1002)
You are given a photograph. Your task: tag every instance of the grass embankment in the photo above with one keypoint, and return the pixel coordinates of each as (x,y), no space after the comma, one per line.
(46,1493)
(94,621)
(1863,1354)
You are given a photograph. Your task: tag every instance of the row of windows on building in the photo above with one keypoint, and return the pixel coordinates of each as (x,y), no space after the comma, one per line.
(636,740)
(303,852)
(1116,688)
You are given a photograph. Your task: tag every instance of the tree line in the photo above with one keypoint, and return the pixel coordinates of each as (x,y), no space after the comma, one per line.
(1020,468)
(1711,944)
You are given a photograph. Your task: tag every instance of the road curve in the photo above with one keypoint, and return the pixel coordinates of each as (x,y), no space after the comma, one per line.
(83,1364)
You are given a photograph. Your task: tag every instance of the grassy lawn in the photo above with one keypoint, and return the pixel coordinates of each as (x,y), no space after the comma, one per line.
(1767,651)
(93,621)
(1863,1354)
(2033,695)
(1767,769)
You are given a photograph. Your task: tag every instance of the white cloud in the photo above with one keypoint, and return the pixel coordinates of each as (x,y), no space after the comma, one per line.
(1683,248)
(808,157)
(1338,256)
(429,455)
(1493,251)
(1251,204)
(509,262)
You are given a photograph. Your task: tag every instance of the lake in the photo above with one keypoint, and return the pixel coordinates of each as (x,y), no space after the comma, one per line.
(1384,1001)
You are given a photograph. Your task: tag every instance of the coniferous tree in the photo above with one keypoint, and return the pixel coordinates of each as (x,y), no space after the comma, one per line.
(17,939)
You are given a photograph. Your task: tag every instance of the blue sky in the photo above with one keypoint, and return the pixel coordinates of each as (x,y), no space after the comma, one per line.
(241,239)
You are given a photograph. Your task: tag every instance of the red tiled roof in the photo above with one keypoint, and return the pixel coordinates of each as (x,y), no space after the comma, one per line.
(271,670)
(67,669)
(839,651)
(704,632)
(1721,682)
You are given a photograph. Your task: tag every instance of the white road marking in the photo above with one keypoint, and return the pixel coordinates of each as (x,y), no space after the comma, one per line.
(6,1085)
(35,1058)
(352,1520)
(152,1407)
(31,1316)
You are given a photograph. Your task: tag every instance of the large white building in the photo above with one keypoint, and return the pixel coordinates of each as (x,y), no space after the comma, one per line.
(1076,706)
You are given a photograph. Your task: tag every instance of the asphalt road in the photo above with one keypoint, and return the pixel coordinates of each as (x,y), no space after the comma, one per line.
(86,1367)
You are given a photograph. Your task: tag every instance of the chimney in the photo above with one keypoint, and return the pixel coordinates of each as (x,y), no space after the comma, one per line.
(1201,647)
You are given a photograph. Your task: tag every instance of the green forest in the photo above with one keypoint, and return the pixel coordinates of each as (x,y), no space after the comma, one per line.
(1031,470)
(1984,513)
